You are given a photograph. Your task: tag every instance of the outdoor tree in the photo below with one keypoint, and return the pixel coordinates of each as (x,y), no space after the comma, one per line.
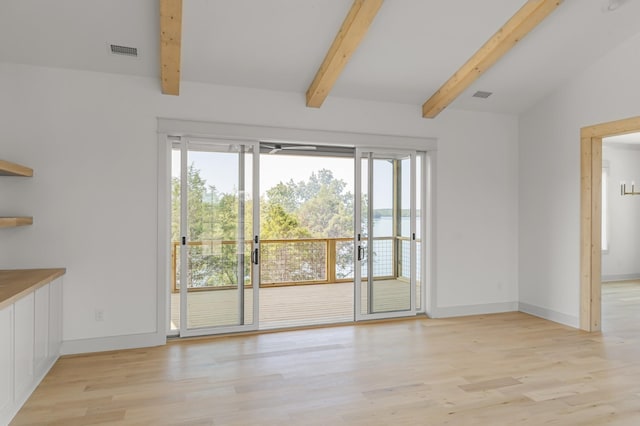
(286,195)
(276,223)
(319,207)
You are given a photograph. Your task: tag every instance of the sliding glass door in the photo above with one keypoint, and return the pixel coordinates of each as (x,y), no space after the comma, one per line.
(385,234)
(308,261)
(216,251)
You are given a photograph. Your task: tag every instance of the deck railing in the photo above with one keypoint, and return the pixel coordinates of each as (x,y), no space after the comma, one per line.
(213,265)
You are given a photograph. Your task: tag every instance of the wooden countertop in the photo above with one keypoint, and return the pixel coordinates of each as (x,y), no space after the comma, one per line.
(15,283)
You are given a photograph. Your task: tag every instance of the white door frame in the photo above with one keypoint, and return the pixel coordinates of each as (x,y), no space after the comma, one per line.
(170,129)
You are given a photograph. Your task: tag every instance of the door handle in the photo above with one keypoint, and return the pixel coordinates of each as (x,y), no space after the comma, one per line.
(360,253)
(255,259)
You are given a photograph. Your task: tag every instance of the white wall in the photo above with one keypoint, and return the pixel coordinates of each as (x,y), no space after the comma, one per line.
(549,178)
(622,261)
(91,139)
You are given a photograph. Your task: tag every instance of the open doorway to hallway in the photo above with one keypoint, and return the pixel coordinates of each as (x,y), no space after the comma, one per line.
(591,214)
(620,233)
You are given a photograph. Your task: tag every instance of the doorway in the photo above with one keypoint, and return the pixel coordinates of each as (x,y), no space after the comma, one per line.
(591,216)
(301,251)
(620,232)
(307,198)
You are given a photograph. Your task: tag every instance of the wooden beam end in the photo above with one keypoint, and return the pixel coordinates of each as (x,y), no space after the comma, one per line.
(433,106)
(171,92)
(428,112)
(314,99)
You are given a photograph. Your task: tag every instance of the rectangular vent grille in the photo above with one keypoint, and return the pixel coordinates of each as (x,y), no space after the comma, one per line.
(481,94)
(124,50)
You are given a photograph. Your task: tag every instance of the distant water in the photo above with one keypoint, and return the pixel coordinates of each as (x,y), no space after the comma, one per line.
(383,226)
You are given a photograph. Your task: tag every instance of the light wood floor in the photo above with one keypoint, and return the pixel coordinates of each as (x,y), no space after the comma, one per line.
(499,369)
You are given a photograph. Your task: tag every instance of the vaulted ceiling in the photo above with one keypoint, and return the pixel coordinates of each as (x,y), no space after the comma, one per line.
(411,48)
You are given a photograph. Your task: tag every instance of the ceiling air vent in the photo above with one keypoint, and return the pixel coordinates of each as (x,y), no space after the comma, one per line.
(124,50)
(481,94)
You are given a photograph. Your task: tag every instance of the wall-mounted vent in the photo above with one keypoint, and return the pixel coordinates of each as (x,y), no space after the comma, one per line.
(124,50)
(482,95)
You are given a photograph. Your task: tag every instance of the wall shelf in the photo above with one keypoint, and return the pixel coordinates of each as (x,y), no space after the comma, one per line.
(10,222)
(12,169)
(8,168)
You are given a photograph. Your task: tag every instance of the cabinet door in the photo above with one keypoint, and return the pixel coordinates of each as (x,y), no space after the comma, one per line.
(41,340)
(55,318)
(6,360)
(23,338)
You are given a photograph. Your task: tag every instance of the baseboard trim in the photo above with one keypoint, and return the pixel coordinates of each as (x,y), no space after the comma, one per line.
(549,314)
(112,343)
(620,277)
(466,310)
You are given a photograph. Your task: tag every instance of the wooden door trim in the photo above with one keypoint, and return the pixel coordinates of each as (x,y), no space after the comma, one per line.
(591,215)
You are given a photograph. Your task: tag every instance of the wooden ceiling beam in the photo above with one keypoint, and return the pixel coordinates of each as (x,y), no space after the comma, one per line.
(353,30)
(518,26)
(170,45)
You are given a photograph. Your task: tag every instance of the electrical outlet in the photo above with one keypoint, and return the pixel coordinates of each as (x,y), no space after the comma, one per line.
(99,315)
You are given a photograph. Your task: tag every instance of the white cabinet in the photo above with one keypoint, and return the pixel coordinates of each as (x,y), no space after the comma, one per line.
(41,330)
(55,319)
(30,340)
(6,359)
(24,323)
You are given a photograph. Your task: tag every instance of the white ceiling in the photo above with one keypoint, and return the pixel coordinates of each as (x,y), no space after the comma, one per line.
(411,49)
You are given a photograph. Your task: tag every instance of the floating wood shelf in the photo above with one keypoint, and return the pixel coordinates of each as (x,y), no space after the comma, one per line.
(10,222)
(11,169)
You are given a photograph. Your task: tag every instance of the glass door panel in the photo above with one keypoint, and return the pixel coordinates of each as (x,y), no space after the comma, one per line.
(176,217)
(419,245)
(388,288)
(218,278)
(362,238)
(385,234)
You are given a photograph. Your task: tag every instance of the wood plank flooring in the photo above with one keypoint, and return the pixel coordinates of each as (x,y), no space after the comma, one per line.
(498,369)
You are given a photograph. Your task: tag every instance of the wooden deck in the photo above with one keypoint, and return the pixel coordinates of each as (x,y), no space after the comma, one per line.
(290,306)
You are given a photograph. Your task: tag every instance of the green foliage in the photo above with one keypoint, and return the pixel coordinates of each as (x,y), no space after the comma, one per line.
(212,218)
(276,223)
(326,215)
(286,195)
(319,207)
(196,208)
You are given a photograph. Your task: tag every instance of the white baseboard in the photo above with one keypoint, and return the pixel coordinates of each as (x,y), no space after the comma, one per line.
(465,310)
(548,314)
(620,277)
(112,343)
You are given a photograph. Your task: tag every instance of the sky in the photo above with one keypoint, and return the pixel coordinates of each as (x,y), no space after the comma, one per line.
(221,170)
